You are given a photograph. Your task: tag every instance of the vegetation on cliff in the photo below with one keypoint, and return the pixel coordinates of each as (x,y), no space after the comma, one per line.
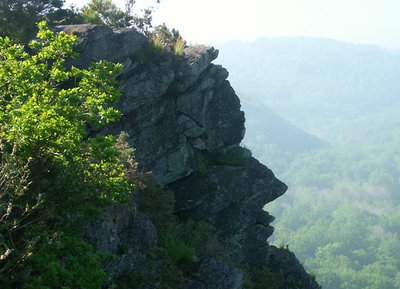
(54,175)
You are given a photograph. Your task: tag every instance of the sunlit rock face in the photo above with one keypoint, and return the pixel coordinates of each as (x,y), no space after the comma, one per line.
(184,120)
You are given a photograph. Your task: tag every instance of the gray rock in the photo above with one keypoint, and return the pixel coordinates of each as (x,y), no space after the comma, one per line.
(232,198)
(145,84)
(164,124)
(214,108)
(283,261)
(100,42)
(197,59)
(124,232)
(189,127)
(214,274)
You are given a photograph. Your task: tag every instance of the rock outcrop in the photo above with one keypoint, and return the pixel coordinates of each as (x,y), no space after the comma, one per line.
(183,119)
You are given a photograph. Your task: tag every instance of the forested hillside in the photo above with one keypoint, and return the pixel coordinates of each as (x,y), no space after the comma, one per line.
(340,214)
(310,80)
(272,133)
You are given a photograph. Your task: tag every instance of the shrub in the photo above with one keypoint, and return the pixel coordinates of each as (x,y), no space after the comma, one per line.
(202,162)
(156,43)
(262,278)
(54,175)
(159,272)
(67,262)
(164,39)
(203,237)
(157,203)
(179,47)
(177,249)
(108,13)
(234,156)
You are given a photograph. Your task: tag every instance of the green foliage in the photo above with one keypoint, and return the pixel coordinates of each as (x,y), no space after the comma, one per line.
(143,22)
(204,238)
(156,43)
(108,13)
(162,38)
(344,245)
(14,182)
(234,156)
(164,264)
(264,278)
(67,262)
(177,249)
(54,175)
(149,53)
(18,18)
(179,244)
(157,203)
(172,262)
(159,269)
(202,162)
(179,47)
(180,241)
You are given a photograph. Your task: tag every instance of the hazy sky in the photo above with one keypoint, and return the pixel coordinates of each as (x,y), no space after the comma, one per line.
(357,21)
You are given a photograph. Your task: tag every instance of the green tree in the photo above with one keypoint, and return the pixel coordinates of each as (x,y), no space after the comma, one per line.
(18,18)
(108,13)
(53,174)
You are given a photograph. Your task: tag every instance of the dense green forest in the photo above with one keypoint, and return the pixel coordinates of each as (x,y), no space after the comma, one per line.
(341,213)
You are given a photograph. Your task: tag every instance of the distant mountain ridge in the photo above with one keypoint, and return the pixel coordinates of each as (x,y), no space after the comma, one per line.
(264,126)
(313,80)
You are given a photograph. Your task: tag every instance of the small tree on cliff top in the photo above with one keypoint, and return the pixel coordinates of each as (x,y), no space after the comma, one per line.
(106,12)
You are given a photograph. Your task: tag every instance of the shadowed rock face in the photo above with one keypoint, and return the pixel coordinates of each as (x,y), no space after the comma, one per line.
(184,120)
(232,198)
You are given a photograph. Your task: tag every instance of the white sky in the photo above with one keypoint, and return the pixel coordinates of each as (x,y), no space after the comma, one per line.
(357,21)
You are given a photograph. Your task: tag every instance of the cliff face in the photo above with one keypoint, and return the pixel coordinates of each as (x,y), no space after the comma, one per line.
(184,121)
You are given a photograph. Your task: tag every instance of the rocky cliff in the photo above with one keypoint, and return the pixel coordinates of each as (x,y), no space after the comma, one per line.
(183,119)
